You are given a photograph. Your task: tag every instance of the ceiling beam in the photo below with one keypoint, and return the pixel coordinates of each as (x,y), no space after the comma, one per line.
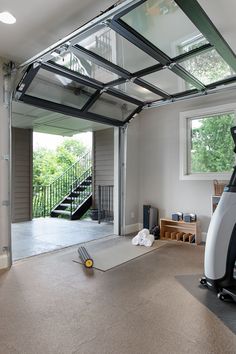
(91,101)
(69,111)
(133,114)
(151,88)
(26,80)
(193,53)
(72,75)
(76,74)
(200,19)
(95,58)
(139,41)
(186,76)
(117,93)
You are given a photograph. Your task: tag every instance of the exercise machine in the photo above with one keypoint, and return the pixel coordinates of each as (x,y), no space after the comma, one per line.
(220,251)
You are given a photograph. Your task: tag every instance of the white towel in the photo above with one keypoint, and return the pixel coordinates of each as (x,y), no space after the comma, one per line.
(143,238)
(144,233)
(136,240)
(148,241)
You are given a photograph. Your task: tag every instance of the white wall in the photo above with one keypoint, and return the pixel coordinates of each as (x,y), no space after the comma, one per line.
(153,150)
(132,177)
(5,215)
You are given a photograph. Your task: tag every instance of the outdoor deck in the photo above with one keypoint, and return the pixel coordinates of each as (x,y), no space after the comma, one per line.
(48,234)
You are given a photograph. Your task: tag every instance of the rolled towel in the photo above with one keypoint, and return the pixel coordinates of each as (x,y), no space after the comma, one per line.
(144,233)
(148,241)
(135,240)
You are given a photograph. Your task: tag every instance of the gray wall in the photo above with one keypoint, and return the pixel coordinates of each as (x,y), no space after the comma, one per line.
(21,175)
(103,147)
(157,146)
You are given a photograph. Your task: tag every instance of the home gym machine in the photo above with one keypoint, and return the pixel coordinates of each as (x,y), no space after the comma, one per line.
(220,251)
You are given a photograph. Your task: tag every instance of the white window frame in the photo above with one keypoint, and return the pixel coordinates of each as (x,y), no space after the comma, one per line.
(184,130)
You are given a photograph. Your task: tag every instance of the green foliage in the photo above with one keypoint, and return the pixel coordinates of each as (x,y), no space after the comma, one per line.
(49,164)
(208,67)
(212,145)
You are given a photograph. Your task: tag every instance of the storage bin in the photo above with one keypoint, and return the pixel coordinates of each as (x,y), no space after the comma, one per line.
(219,186)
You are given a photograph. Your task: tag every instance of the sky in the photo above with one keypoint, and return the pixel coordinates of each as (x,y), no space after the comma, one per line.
(51,141)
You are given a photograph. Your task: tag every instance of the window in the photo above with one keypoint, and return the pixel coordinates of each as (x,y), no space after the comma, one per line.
(206,145)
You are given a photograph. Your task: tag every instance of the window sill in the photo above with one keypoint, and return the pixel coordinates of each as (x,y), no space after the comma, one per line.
(206,177)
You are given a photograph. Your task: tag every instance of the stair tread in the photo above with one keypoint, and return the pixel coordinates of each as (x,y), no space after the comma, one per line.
(65,212)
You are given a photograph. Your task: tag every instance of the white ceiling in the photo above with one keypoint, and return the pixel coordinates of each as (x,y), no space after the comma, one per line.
(39,24)
(222,14)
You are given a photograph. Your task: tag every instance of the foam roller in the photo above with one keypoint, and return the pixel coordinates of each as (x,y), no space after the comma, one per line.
(85,257)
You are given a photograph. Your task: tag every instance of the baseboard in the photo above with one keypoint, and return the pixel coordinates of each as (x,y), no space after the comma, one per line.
(4,262)
(129,229)
(140,227)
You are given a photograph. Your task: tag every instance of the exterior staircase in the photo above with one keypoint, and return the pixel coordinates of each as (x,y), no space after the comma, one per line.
(77,202)
(69,196)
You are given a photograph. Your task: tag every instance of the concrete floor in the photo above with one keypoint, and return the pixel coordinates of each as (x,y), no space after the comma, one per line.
(48,234)
(50,305)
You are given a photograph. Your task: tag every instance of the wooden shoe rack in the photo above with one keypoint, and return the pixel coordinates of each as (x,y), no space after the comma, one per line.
(187,232)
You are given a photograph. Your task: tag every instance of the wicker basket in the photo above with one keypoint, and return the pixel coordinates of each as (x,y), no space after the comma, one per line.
(219,187)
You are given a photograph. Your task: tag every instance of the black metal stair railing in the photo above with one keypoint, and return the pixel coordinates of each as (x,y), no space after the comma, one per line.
(105,203)
(81,189)
(45,198)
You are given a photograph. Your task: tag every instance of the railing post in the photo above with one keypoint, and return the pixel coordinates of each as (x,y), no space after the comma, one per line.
(44,201)
(50,199)
(71,201)
(99,204)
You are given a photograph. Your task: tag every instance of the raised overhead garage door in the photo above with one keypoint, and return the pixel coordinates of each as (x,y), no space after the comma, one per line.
(139,53)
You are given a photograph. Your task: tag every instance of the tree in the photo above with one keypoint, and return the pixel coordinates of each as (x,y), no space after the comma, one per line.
(212,144)
(49,164)
(69,151)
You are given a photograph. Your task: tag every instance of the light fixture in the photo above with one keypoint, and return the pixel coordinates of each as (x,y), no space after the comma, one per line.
(7,18)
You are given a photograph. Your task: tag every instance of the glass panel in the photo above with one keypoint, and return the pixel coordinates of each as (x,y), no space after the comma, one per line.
(59,89)
(210,145)
(111,46)
(139,92)
(84,66)
(112,107)
(208,67)
(167,81)
(192,43)
(163,23)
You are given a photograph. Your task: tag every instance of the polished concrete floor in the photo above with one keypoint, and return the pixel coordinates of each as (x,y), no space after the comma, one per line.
(49,304)
(48,234)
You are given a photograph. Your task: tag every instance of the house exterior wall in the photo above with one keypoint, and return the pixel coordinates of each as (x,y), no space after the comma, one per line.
(158,144)
(22,152)
(103,164)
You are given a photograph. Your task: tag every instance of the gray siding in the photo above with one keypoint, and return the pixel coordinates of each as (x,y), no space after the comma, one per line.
(103,154)
(21,175)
